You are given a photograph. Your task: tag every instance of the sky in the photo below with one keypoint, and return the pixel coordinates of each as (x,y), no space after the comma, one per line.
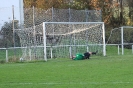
(6,11)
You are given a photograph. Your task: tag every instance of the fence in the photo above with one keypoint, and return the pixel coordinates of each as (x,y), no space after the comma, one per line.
(14,54)
(10,54)
(35,16)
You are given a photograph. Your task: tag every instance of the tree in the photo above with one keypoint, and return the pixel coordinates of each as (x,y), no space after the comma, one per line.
(7,33)
(29,3)
(45,4)
(130,21)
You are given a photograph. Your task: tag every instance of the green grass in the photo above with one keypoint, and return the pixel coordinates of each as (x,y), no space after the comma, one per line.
(113,50)
(111,71)
(98,72)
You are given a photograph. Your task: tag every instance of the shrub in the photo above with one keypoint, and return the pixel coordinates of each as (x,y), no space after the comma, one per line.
(2,61)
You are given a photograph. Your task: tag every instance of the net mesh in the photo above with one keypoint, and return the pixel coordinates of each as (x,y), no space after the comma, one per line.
(75,36)
(119,37)
(31,40)
(62,39)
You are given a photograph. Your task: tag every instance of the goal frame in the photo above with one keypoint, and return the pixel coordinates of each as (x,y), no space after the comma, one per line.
(44,34)
(122,37)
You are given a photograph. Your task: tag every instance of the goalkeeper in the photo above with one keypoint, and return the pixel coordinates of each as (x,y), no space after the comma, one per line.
(86,55)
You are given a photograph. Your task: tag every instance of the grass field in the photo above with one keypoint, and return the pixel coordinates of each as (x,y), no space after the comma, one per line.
(111,71)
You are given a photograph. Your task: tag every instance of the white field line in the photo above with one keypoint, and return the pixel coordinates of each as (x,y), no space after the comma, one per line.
(57,83)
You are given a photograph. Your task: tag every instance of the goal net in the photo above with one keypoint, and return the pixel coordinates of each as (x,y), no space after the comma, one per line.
(62,39)
(31,40)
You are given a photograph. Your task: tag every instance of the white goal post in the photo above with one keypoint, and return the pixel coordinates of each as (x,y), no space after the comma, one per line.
(124,40)
(62,39)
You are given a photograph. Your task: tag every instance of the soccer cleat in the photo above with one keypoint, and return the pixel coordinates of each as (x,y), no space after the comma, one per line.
(95,52)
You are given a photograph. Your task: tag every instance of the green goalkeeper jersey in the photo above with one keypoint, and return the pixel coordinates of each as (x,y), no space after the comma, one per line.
(79,57)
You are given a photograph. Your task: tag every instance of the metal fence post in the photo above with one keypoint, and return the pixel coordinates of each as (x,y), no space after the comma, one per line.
(6,55)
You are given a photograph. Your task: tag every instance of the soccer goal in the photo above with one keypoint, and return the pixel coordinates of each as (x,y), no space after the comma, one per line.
(62,39)
(121,36)
(126,37)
